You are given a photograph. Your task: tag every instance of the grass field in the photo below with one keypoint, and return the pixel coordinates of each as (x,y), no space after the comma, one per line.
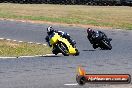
(10,48)
(108,16)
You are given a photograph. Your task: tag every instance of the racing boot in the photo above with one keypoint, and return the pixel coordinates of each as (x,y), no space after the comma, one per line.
(54,51)
(95,46)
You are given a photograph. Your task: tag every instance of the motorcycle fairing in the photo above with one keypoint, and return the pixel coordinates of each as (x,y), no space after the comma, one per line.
(54,38)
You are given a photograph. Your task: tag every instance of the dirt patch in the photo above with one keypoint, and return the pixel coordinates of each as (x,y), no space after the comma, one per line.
(13,45)
(9,43)
(57,23)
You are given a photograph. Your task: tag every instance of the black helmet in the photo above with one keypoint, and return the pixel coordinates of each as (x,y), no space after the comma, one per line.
(50,30)
(89,31)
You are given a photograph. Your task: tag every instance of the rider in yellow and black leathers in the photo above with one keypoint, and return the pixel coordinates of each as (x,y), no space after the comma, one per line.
(50,30)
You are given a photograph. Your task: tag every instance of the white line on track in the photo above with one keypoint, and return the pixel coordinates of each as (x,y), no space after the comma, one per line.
(30,42)
(23,41)
(38,43)
(45,44)
(71,84)
(7,57)
(25,56)
(20,41)
(50,54)
(1,38)
(30,56)
(14,40)
(8,39)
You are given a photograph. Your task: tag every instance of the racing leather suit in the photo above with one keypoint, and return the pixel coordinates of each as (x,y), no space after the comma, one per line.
(91,39)
(62,34)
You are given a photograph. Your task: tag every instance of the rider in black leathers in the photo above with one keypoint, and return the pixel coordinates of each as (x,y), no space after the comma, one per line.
(50,30)
(90,36)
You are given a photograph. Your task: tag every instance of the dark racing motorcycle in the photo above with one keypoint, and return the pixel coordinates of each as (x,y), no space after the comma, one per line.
(99,40)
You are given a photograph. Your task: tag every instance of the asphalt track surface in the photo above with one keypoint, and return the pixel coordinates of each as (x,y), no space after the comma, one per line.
(57,71)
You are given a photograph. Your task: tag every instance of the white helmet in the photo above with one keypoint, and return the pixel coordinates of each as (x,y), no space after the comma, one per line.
(50,30)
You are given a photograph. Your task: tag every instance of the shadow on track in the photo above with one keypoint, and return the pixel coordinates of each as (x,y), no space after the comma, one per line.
(51,56)
(88,50)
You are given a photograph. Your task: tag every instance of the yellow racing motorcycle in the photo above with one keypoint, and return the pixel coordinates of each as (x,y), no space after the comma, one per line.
(62,45)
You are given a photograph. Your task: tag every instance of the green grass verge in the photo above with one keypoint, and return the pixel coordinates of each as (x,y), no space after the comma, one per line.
(10,48)
(108,16)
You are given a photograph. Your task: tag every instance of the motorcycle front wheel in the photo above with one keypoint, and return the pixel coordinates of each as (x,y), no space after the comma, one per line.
(107,44)
(63,49)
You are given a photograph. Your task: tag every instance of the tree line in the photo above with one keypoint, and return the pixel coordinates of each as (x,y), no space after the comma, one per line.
(48,1)
(74,2)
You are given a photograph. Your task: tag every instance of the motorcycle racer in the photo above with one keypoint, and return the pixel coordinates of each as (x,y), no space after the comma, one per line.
(91,33)
(50,30)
